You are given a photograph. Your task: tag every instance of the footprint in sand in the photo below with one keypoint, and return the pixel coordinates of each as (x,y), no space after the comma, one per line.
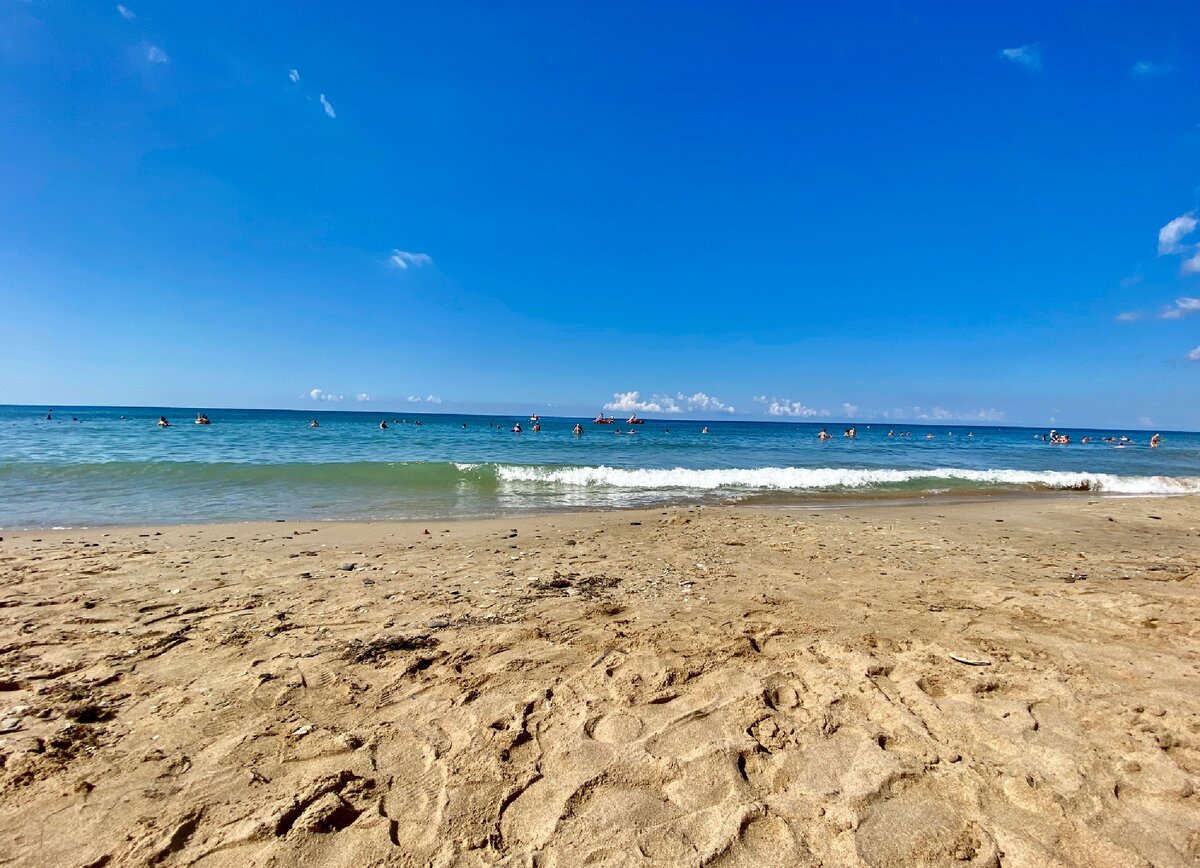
(616,728)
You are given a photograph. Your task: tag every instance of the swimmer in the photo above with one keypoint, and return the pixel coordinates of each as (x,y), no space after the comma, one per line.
(824,435)
(891,434)
(163,423)
(383,426)
(314,424)
(577,430)
(516,429)
(50,416)
(537,426)
(1155,440)
(705,431)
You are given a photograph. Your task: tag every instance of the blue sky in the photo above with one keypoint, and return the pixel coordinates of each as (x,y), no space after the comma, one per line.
(921,210)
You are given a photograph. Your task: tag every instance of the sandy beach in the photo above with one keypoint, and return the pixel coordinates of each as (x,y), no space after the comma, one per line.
(716,686)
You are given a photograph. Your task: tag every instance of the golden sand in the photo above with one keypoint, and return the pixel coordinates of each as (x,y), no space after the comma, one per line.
(683,687)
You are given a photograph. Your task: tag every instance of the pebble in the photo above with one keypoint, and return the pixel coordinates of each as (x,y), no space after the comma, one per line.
(348,566)
(438,623)
(10,724)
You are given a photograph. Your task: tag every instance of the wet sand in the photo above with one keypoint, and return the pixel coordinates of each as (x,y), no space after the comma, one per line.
(720,686)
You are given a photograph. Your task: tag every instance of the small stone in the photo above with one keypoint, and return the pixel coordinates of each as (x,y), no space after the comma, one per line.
(302,731)
(438,623)
(10,724)
(348,566)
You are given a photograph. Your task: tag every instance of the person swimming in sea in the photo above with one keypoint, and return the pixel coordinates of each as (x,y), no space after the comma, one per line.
(383,425)
(314,424)
(1155,440)
(705,431)
(516,429)
(577,430)
(163,423)
(824,435)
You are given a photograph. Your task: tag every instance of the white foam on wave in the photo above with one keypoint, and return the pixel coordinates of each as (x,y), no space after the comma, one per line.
(822,478)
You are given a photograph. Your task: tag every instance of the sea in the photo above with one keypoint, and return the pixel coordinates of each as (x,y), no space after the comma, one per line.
(95,466)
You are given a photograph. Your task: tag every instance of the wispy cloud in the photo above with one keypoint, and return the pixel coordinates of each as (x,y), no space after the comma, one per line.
(1174,232)
(321,395)
(1194,355)
(632,402)
(403,259)
(154,54)
(362,396)
(125,12)
(1182,307)
(941,414)
(849,410)
(1027,56)
(1144,69)
(1131,316)
(1145,421)
(328,108)
(428,399)
(294,75)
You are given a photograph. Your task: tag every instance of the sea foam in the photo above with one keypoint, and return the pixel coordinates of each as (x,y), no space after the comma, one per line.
(833,478)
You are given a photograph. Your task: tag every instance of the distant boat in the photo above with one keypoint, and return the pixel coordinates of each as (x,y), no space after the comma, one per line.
(604,420)
(634,420)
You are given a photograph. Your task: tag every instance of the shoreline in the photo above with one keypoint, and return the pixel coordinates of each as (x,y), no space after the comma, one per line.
(731,685)
(771,501)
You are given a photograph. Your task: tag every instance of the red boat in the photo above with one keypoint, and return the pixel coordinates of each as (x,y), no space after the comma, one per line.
(604,420)
(634,420)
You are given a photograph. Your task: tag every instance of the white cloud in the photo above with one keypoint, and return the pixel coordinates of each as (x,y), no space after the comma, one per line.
(328,108)
(1182,307)
(126,12)
(631,402)
(362,396)
(941,414)
(404,259)
(294,75)
(787,407)
(1192,265)
(1146,421)
(1174,232)
(154,54)
(1144,69)
(1028,56)
(321,395)
(849,410)
(701,401)
(1130,316)
(428,399)
(1194,355)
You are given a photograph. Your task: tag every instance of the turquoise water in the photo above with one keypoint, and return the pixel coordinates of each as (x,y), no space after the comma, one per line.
(114,465)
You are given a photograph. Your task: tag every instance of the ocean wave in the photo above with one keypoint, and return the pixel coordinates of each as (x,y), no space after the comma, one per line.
(839,478)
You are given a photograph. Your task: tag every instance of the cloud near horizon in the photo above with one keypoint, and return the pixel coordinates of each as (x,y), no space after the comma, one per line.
(1027,56)
(631,402)
(402,259)
(787,407)
(322,395)
(362,396)
(428,399)
(941,414)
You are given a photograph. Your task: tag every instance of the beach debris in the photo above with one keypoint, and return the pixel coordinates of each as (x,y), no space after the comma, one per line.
(969,662)
(369,652)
